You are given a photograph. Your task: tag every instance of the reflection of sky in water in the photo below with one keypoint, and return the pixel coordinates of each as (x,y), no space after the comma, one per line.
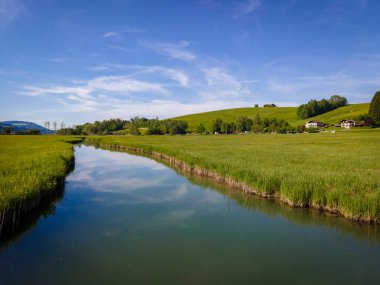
(134,180)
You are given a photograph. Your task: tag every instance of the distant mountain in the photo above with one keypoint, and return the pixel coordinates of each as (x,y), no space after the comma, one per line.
(23,126)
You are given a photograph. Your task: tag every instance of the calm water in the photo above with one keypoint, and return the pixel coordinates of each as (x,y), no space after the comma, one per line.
(126,219)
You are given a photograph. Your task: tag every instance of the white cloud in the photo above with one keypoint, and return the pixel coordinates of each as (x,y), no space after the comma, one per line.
(222,85)
(38,91)
(173,50)
(170,73)
(119,32)
(123,84)
(110,34)
(83,89)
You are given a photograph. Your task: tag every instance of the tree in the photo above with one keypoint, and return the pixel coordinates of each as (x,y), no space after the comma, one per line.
(374,108)
(201,129)
(133,129)
(62,125)
(7,130)
(269,105)
(257,124)
(54,126)
(217,125)
(256,105)
(243,124)
(33,132)
(337,101)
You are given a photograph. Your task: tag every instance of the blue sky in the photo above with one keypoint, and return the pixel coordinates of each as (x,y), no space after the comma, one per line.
(79,61)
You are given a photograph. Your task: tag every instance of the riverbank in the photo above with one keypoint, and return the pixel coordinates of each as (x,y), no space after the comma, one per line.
(32,168)
(338,173)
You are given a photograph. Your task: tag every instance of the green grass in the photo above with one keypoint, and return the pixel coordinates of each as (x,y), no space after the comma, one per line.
(30,165)
(335,171)
(286,113)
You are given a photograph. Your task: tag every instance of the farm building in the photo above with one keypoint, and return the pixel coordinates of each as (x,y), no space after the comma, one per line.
(314,124)
(348,124)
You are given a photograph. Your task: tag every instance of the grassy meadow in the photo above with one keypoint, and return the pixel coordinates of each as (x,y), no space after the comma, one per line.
(338,171)
(286,113)
(30,165)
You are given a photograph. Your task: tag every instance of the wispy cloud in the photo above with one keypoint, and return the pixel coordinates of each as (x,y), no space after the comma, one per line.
(237,7)
(10,10)
(109,34)
(120,31)
(222,85)
(173,74)
(122,84)
(248,7)
(173,50)
(84,89)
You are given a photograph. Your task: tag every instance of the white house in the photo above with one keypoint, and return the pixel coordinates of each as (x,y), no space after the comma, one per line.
(314,124)
(347,124)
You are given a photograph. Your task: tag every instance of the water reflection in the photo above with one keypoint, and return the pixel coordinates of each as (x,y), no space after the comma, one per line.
(300,216)
(46,208)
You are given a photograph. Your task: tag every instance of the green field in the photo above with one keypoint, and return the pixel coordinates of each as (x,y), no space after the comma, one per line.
(286,113)
(31,165)
(338,171)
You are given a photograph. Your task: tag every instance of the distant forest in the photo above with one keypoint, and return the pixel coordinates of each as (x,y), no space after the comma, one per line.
(314,107)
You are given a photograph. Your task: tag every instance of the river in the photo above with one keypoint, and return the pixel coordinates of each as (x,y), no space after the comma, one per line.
(127,219)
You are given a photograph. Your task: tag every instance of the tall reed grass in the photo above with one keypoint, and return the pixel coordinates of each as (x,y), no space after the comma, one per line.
(31,165)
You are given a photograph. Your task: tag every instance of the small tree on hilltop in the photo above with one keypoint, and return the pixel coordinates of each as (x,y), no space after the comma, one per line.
(374,108)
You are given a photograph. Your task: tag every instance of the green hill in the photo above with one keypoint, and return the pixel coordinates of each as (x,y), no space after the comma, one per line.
(342,113)
(231,115)
(286,113)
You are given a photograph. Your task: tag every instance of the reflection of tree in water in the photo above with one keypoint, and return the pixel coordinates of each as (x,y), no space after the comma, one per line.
(300,216)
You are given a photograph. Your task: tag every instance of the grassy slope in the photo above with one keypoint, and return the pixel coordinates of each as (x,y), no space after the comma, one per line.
(343,113)
(337,171)
(286,113)
(30,165)
(231,115)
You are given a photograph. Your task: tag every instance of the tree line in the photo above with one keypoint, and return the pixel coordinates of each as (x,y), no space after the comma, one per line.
(8,130)
(245,124)
(314,107)
(132,126)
